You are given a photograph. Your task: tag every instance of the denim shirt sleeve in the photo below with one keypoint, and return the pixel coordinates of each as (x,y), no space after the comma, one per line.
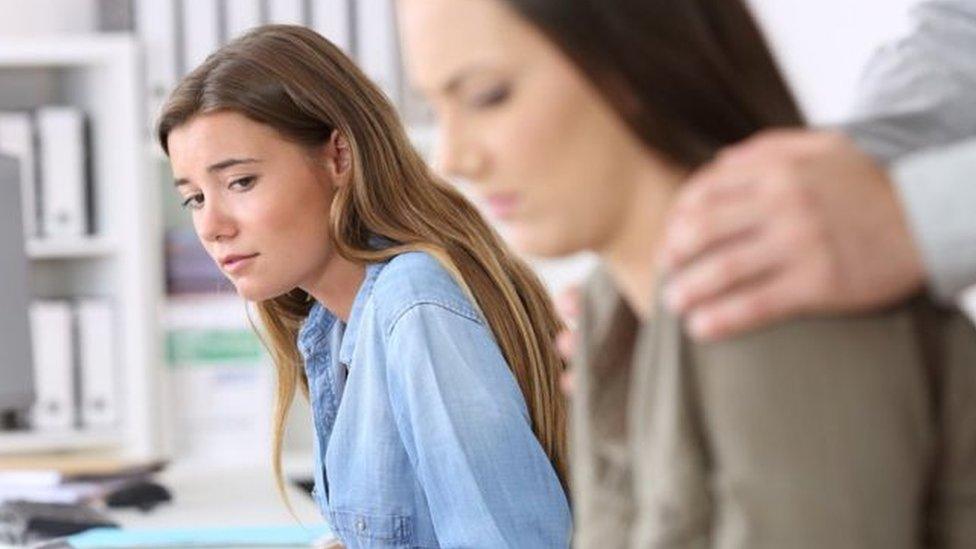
(465,426)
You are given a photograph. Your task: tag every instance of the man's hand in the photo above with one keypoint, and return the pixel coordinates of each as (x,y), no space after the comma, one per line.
(568,306)
(785,224)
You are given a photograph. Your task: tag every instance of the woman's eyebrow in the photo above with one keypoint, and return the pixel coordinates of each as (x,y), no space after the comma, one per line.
(218,166)
(454,82)
(224,164)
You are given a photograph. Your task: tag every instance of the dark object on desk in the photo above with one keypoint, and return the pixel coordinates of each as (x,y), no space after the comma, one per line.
(305,484)
(25,522)
(14,420)
(144,495)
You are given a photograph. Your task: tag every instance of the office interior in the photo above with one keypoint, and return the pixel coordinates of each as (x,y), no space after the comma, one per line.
(188,389)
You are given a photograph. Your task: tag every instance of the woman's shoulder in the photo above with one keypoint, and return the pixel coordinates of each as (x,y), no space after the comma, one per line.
(893,334)
(416,278)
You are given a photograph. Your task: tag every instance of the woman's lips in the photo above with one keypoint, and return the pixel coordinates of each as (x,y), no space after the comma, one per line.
(502,205)
(236,263)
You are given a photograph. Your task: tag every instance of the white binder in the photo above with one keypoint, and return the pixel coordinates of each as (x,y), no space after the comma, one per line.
(333,20)
(377,45)
(241,16)
(54,379)
(64,177)
(156,22)
(289,12)
(17,140)
(201,31)
(98,368)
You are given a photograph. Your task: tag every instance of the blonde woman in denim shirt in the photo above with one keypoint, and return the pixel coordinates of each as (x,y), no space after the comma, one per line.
(423,345)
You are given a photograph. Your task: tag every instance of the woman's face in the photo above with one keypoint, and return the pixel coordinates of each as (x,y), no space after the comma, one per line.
(260,204)
(548,156)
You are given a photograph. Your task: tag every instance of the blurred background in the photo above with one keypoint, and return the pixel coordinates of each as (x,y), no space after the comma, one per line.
(140,347)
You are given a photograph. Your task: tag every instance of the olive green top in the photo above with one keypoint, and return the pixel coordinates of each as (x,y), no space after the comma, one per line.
(836,432)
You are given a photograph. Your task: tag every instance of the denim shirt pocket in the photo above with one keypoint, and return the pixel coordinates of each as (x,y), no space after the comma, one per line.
(364,529)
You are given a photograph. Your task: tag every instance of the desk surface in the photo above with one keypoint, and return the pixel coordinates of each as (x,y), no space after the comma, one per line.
(206,495)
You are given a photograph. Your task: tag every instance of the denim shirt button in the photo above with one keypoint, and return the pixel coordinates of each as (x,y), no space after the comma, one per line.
(361,525)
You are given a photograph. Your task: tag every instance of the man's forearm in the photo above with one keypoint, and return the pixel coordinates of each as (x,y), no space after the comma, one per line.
(917,103)
(920,92)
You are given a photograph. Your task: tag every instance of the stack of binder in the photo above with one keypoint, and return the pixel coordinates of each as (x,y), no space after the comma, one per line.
(52,148)
(75,365)
(180,35)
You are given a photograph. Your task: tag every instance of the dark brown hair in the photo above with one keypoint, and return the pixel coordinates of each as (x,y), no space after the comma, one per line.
(687,76)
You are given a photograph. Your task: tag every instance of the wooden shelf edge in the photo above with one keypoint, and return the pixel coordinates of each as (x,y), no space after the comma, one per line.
(68,248)
(12,443)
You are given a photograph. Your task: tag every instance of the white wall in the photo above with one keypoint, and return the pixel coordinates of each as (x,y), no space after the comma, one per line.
(823,45)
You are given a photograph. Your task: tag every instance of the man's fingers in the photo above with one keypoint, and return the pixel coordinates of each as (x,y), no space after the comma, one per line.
(567,304)
(770,145)
(566,344)
(747,257)
(771,154)
(689,234)
(746,308)
(710,185)
(567,382)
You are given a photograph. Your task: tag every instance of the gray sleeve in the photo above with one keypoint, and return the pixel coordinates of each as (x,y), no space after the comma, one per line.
(920,92)
(916,104)
(938,190)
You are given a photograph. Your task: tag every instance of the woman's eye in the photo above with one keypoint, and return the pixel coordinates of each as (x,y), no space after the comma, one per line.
(492,97)
(243,183)
(193,202)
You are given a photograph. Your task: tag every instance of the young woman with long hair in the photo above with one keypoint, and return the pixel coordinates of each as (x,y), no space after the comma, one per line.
(576,121)
(424,346)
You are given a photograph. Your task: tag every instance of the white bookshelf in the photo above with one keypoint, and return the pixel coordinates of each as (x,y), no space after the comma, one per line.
(102,75)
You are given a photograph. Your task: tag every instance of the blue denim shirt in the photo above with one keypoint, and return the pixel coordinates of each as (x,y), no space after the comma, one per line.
(423,438)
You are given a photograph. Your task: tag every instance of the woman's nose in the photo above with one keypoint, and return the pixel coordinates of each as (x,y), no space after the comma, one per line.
(213,223)
(457,155)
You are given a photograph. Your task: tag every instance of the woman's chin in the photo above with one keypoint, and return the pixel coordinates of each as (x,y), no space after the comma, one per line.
(544,246)
(255,293)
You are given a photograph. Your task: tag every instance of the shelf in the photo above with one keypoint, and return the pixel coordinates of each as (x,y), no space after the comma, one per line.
(34,442)
(102,75)
(65,248)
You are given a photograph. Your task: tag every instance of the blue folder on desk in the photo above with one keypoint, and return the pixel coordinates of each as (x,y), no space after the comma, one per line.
(243,537)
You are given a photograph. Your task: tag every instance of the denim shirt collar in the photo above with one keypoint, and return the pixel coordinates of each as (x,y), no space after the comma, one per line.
(316,327)
(356,313)
(321,321)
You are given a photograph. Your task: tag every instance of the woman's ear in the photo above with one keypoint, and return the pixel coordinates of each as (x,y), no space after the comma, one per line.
(339,157)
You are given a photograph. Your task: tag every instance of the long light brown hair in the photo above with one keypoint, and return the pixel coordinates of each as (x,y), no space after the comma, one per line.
(296,81)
